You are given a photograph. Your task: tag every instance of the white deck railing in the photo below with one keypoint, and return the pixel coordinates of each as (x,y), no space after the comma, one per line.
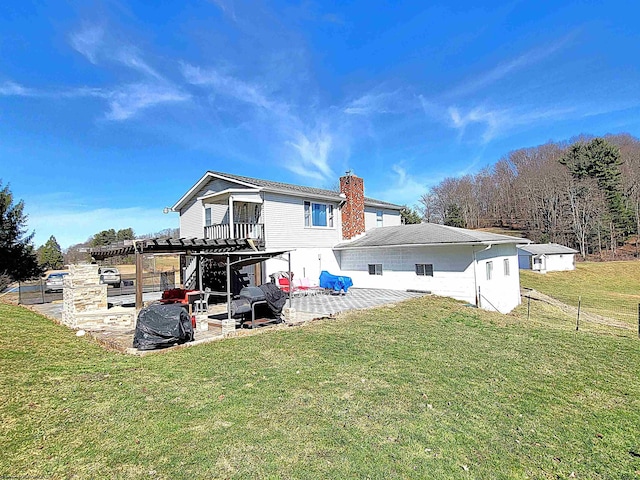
(222,231)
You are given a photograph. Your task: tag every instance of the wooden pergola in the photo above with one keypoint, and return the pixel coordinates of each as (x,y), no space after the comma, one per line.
(234,253)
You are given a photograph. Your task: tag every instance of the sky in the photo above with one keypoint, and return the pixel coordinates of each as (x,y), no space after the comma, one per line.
(112,110)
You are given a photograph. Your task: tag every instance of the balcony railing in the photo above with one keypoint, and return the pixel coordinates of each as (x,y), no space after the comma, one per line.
(240,230)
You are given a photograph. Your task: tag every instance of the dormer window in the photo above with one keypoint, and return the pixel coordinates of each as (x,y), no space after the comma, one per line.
(318,215)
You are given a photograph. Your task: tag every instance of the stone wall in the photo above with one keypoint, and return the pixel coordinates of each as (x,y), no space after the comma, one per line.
(85,300)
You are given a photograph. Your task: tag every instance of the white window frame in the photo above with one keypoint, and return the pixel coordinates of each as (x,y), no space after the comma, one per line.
(424,269)
(379,218)
(489,270)
(208,222)
(377,268)
(308,214)
(507,267)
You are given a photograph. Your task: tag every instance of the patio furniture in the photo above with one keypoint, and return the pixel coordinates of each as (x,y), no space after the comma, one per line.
(176,295)
(202,304)
(334,282)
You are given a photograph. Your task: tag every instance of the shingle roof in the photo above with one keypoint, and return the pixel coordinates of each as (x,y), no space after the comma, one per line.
(547,249)
(426,234)
(288,187)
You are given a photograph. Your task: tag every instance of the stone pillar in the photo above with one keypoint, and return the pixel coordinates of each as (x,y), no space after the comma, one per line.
(82,293)
(228,326)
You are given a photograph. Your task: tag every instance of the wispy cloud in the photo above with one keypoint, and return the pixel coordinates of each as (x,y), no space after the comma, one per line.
(231,86)
(503,69)
(376,103)
(128,101)
(97,46)
(313,154)
(402,187)
(12,89)
(227,8)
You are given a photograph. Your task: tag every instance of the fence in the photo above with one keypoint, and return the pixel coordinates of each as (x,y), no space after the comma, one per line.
(30,293)
(621,312)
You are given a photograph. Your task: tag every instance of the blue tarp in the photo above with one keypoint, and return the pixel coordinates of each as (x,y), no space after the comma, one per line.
(335,282)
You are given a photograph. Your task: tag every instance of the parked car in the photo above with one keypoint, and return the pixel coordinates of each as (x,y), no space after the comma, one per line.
(110,276)
(54,282)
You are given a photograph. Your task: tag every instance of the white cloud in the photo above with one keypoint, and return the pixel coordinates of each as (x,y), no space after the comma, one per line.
(503,69)
(403,188)
(129,100)
(313,154)
(12,89)
(88,41)
(233,87)
(375,103)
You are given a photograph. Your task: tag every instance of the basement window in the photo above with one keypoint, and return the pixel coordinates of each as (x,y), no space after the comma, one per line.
(424,269)
(375,269)
(318,215)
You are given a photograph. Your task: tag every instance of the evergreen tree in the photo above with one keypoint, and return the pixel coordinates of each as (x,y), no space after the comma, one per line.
(18,260)
(103,238)
(50,255)
(453,216)
(125,234)
(410,216)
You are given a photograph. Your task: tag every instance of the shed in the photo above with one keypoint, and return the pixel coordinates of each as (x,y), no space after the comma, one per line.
(546,257)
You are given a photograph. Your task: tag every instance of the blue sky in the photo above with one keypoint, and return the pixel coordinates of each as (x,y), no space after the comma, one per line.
(110,111)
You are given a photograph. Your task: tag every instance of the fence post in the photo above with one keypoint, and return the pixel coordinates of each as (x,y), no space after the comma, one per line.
(19,293)
(528,305)
(578,319)
(638,316)
(41,290)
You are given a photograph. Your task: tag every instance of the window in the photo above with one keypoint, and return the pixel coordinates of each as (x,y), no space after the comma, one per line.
(375,269)
(207,217)
(506,267)
(379,218)
(489,270)
(424,269)
(318,215)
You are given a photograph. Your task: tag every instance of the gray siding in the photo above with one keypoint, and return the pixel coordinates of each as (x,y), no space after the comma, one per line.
(192,214)
(390,218)
(284,225)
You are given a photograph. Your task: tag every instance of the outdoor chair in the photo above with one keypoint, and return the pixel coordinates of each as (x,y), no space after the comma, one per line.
(310,289)
(202,305)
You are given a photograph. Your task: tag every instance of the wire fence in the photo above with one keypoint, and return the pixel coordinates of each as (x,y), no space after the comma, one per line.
(619,311)
(35,292)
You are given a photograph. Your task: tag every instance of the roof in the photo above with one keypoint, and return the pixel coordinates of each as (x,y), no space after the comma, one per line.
(547,249)
(280,187)
(426,234)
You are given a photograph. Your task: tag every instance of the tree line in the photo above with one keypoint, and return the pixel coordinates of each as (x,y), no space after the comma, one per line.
(584,193)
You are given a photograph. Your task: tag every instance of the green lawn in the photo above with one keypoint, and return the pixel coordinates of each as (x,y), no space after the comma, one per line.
(428,389)
(611,289)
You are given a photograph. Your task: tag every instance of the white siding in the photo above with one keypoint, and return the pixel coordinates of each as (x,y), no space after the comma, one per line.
(452,269)
(192,214)
(455,273)
(502,292)
(390,218)
(305,262)
(284,225)
(560,262)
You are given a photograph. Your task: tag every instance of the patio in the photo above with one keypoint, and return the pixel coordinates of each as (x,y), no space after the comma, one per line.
(209,325)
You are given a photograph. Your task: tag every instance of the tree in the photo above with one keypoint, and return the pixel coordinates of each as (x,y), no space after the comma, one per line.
(104,238)
(125,234)
(410,216)
(18,261)
(453,216)
(50,254)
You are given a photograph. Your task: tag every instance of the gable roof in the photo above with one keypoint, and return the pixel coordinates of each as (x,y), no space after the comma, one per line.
(426,234)
(547,249)
(277,187)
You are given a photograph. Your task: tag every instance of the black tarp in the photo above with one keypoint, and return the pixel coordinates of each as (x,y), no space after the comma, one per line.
(162,326)
(275,298)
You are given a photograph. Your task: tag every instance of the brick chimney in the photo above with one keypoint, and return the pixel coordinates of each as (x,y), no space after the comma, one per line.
(353,209)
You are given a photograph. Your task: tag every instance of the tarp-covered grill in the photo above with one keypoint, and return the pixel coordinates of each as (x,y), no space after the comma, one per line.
(162,326)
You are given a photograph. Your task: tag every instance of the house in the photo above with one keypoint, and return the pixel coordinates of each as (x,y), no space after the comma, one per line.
(469,265)
(546,257)
(278,216)
(347,233)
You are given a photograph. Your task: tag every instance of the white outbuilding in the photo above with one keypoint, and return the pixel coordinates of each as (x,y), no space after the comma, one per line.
(546,257)
(470,265)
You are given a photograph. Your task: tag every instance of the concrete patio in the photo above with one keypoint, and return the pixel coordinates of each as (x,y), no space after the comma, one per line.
(307,308)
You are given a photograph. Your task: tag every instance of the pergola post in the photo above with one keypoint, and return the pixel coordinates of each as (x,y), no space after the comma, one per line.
(229,324)
(138,249)
(232,230)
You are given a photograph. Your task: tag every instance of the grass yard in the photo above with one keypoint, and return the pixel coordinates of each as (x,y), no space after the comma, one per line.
(426,389)
(611,289)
